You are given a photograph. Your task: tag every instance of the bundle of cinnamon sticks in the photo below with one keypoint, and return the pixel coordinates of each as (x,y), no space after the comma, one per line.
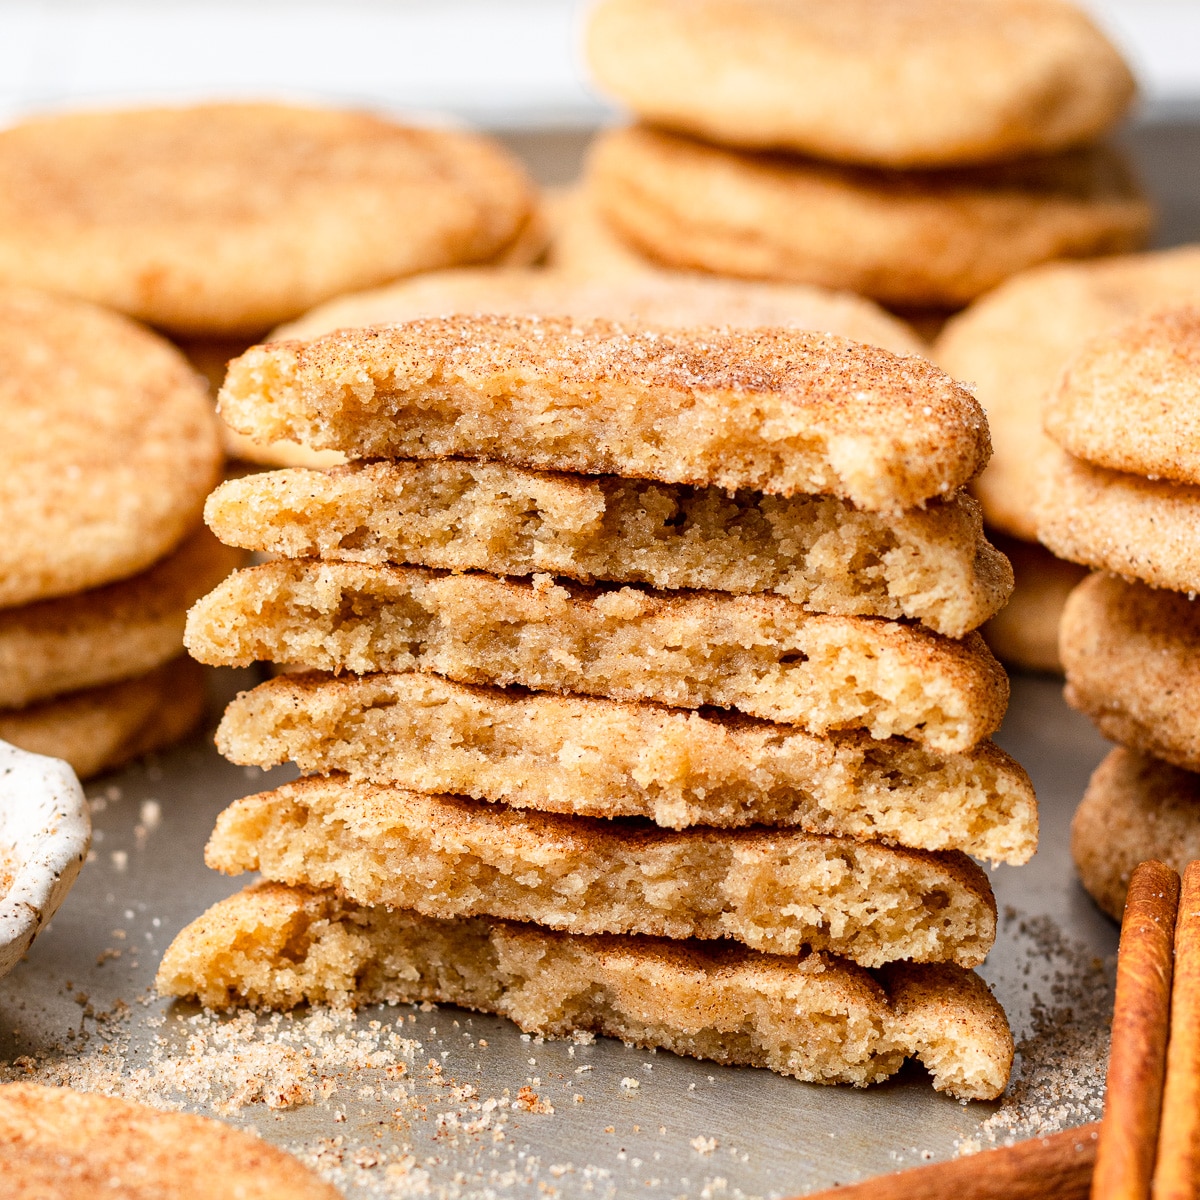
(1148,1145)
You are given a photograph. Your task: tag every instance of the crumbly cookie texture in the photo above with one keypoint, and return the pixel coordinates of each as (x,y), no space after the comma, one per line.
(936,239)
(778,411)
(659,298)
(229,218)
(108,633)
(108,447)
(1013,344)
(1132,655)
(102,728)
(761,655)
(71,1145)
(933,564)
(447,856)
(1024,633)
(985,82)
(1130,399)
(1135,527)
(814,1017)
(1135,807)
(604,758)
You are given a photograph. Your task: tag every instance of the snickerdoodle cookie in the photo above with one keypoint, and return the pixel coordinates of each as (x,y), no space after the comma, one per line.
(70,1145)
(1135,527)
(1129,400)
(812,1016)
(1135,808)
(762,655)
(899,83)
(934,239)
(229,218)
(930,564)
(1132,657)
(1013,344)
(777,411)
(108,633)
(595,757)
(102,728)
(108,447)
(774,890)
(664,298)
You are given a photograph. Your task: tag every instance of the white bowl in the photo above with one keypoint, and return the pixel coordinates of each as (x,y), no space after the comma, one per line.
(45,832)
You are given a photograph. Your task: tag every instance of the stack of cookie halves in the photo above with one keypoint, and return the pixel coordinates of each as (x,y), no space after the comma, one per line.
(643,696)
(1123,496)
(915,151)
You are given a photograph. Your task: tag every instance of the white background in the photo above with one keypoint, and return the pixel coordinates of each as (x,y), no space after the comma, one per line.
(503,63)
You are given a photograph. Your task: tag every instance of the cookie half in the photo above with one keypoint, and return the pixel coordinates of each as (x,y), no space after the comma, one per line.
(229,218)
(899,83)
(937,239)
(55,1141)
(1139,528)
(1135,808)
(774,890)
(761,655)
(108,447)
(109,633)
(777,411)
(932,564)
(1013,344)
(105,727)
(814,1017)
(1132,656)
(603,758)
(1130,400)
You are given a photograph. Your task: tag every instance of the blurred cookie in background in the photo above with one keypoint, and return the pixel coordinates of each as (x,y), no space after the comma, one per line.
(934,238)
(890,83)
(583,243)
(108,448)
(668,299)
(225,219)
(1024,634)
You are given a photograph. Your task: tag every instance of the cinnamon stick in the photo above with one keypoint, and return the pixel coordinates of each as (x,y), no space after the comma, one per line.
(1138,1052)
(1058,1167)
(1175,1171)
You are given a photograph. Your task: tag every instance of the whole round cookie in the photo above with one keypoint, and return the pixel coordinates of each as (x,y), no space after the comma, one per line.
(934,239)
(1013,344)
(1132,658)
(1130,398)
(1137,528)
(900,83)
(1024,633)
(1135,808)
(666,299)
(108,446)
(108,633)
(55,1141)
(229,218)
(102,728)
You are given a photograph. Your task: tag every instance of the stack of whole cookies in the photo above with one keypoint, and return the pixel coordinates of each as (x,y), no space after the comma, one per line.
(1123,495)
(1012,346)
(643,696)
(915,151)
(108,447)
(213,223)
